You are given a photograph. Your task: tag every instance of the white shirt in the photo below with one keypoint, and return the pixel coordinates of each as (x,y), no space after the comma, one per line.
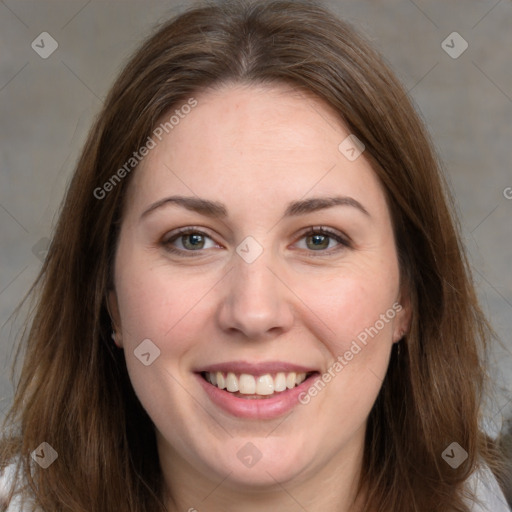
(482,483)
(487,490)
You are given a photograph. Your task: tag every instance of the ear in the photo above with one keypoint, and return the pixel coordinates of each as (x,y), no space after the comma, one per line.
(113,309)
(403,317)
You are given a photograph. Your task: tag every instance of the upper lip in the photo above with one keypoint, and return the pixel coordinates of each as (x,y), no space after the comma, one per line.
(262,368)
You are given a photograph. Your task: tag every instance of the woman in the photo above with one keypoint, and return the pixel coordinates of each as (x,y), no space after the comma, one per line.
(255,290)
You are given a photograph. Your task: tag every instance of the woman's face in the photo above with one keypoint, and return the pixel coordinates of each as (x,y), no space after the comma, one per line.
(272,283)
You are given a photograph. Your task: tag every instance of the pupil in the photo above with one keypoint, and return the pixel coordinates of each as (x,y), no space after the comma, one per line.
(319,241)
(193,240)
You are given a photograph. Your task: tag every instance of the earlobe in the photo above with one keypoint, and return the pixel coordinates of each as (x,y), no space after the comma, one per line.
(398,335)
(403,318)
(113,310)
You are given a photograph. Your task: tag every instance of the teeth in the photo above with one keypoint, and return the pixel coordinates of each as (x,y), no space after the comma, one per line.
(280,382)
(247,384)
(231,383)
(263,385)
(290,380)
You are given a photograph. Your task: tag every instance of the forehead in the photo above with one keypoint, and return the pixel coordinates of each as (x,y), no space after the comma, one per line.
(241,141)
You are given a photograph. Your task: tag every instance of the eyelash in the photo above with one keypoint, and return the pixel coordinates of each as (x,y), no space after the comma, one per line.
(319,230)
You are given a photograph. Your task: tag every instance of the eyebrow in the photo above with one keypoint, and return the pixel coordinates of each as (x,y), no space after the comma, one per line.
(215,209)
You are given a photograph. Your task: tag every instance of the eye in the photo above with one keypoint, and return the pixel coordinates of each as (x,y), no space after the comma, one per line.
(316,239)
(188,240)
(319,239)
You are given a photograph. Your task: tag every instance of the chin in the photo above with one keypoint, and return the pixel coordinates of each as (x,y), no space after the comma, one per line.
(256,464)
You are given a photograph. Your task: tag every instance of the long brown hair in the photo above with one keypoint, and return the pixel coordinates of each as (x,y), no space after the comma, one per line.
(74,392)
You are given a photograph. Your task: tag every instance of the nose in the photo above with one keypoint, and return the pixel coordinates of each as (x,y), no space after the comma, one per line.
(256,304)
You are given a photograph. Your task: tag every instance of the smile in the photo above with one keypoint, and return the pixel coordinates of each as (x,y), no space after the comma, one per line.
(254,391)
(255,386)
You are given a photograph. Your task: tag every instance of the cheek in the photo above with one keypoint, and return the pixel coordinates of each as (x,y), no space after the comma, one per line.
(361,316)
(158,304)
(358,314)
(166,309)
(356,307)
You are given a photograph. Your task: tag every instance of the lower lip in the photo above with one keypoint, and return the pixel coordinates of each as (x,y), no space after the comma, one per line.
(259,408)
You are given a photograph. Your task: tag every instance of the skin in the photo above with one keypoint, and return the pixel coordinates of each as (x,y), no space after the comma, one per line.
(255,149)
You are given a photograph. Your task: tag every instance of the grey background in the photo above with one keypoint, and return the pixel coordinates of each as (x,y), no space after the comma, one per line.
(47,106)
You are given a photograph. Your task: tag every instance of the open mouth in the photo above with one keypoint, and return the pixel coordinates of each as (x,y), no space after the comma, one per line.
(256,387)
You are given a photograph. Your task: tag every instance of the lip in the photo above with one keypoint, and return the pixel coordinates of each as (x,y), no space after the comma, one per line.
(239,367)
(256,409)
